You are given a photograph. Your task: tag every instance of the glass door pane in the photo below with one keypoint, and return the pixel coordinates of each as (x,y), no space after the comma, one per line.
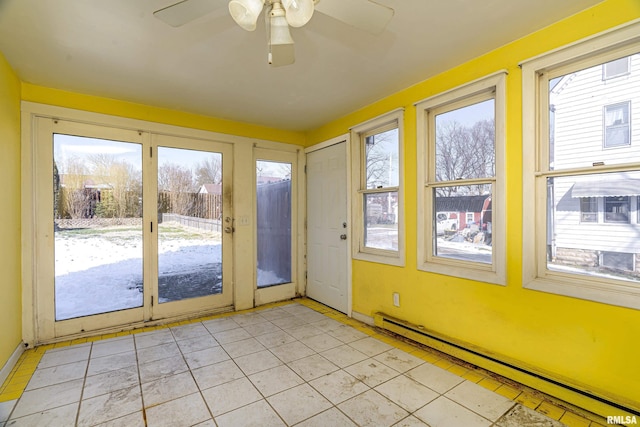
(98,235)
(273,193)
(189,224)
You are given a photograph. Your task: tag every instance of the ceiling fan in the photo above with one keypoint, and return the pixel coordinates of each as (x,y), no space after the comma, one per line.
(365,15)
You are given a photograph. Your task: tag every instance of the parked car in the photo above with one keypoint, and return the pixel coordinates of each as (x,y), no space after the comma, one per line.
(446,223)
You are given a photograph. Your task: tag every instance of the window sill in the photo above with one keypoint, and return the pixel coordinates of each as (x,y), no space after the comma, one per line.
(395,260)
(612,293)
(465,272)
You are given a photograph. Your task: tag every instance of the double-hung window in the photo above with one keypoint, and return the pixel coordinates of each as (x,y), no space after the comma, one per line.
(377,158)
(616,121)
(460,181)
(581,179)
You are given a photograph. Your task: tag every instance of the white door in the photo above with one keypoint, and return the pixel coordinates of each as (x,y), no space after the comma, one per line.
(328,226)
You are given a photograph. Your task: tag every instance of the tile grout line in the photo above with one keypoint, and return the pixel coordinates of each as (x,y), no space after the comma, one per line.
(35,355)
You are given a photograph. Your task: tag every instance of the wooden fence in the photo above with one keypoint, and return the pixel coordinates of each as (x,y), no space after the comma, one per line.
(198,205)
(94,203)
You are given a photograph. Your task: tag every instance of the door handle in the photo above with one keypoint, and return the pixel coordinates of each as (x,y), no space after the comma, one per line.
(343,237)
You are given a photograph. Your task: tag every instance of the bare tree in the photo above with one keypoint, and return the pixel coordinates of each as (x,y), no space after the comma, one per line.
(75,199)
(464,153)
(100,163)
(178,182)
(379,162)
(122,197)
(126,183)
(209,171)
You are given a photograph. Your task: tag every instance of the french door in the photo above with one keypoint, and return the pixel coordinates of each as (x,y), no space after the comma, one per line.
(129,227)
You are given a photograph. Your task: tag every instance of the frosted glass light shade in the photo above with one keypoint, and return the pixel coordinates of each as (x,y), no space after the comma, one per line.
(298,12)
(280,42)
(280,33)
(246,12)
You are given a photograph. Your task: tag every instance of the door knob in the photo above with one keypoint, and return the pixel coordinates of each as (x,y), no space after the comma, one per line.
(343,237)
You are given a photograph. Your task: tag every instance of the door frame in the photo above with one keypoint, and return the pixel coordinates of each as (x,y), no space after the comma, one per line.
(242,202)
(296,157)
(225,299)
(47,327)
(346,139)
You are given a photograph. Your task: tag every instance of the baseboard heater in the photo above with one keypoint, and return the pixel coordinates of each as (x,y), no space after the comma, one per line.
(571,394)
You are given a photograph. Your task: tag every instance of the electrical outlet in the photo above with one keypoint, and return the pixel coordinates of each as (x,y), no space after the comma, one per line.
(243,220)
(396,299)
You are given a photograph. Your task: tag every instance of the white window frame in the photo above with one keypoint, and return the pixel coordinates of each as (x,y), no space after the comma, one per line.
(359,133)
(605,68)
(490,273)
(626,201)
(625,125)
(620,41)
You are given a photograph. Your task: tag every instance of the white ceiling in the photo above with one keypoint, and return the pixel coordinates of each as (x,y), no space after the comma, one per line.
(118,49)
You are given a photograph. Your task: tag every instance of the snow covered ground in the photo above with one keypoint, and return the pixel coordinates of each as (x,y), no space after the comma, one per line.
(100,270)
(463,250)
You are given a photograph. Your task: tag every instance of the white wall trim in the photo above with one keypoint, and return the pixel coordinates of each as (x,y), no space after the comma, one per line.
(328,143)
(11,363)
(363,318)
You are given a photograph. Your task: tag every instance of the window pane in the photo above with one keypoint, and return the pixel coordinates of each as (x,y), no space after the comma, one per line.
(616,68)
(457,234)
(189,229)
(381,213)
(465,142)
(588,114)
(616,121)
(616,209)
(97,225)
(588,209)
(381,160)
(576,247)
(273,194)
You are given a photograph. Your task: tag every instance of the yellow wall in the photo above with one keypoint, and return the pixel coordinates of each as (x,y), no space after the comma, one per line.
(132,110)
(594,346)
(10,289)
(590,344)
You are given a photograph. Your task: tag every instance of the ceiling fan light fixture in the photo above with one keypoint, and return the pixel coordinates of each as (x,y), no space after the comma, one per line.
(280,33)
(246,12)
(298,12)
(281,50)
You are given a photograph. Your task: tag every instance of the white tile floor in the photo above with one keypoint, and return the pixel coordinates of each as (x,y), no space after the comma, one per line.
(282,366)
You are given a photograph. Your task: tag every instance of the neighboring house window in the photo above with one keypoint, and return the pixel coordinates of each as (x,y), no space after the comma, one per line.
(615,68)
(616,209)
(460,169)
(617,260)
(469,218)
(569,176)
(588,209)
(616,123)
(378,203)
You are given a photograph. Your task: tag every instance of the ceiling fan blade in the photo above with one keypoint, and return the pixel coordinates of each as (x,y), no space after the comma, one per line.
(186,11)
(365,15)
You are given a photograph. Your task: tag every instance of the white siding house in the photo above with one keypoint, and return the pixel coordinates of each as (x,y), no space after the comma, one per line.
(594,219)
